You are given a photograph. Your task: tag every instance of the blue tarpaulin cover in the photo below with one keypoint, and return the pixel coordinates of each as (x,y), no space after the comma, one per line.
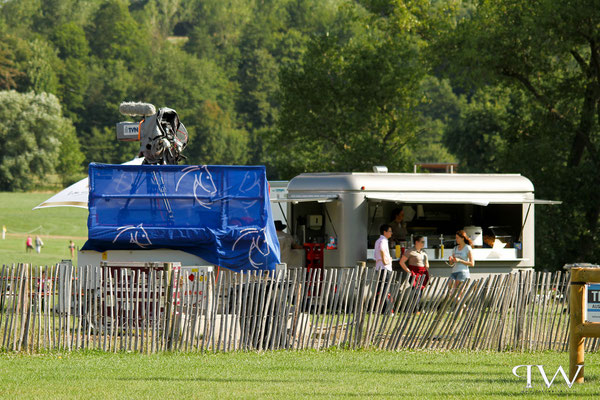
(219,213)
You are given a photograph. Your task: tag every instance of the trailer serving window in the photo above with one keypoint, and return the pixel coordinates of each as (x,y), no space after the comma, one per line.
(496,216)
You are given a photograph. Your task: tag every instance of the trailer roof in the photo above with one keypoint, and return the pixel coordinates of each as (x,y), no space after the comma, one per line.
(410,182)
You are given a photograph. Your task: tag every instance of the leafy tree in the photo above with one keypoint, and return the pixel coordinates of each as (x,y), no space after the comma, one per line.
(217,28)
(101,146)
(276,37)
(20,16)
(352,104)
(8,72)
(114,34)
(478,136)
(160,15)
(38,61)
(70,41)
(216,140)
(439,109)
(546,51)
(32,133)
(70,158)
(73,50)
(110,83)
(182,81)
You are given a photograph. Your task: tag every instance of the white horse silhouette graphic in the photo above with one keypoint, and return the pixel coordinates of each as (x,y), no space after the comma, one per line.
(258,242)
(249,182)
(137,235)
(203,181)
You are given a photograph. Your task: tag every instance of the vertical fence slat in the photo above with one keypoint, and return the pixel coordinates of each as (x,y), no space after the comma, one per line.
(5,302)
(3,286)
(18,304)
(297,294)
(220,310)
(472,297)
(39,306)
(560,310)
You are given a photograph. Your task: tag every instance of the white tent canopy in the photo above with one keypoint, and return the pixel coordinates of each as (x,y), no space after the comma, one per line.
(77,194)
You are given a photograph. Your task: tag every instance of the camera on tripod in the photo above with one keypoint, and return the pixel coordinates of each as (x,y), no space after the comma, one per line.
(161,135)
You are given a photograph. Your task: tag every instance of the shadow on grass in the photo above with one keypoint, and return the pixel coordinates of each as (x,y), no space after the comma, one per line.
(538,393)
(418,372)
(349,394)
(211,380)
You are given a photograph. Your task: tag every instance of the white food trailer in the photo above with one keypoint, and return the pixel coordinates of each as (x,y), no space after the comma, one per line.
(348,208)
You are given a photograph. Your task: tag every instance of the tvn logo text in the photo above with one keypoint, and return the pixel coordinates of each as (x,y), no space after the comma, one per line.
(548,383)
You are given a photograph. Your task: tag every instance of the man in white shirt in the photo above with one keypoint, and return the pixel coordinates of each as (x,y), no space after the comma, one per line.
(383,260)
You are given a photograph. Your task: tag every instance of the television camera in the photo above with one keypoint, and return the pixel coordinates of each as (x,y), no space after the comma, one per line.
(161,135)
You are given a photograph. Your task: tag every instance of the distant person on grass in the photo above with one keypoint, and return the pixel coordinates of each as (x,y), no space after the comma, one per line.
(72,249)
(28,244)
(3,232)
(38,244)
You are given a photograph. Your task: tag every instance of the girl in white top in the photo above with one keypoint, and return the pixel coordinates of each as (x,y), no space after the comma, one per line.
(461,259)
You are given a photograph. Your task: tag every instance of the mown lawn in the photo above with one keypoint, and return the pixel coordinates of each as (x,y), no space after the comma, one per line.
(283,375)
(55,226)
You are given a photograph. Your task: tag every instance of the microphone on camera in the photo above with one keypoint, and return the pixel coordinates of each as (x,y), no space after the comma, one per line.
(134,108)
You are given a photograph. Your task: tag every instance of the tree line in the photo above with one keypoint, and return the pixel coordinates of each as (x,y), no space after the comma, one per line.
(313,85)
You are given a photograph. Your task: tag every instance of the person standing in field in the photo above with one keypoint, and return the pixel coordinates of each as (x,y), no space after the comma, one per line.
(28,244)
(72,248)
(38,244)
(3,232)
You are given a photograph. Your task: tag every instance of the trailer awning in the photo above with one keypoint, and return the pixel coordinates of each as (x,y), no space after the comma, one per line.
(482,199)
(303,199)
(541,202)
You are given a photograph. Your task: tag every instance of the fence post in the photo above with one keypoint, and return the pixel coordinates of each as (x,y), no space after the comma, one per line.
(576,347)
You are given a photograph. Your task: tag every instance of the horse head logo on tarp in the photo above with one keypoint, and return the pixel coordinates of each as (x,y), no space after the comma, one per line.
(251,182)
(137,235)
(258,249)
(204,185)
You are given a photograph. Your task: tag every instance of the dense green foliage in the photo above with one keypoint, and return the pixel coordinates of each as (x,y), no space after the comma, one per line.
(314,85)
(534,71)
(230,69)
(37,140)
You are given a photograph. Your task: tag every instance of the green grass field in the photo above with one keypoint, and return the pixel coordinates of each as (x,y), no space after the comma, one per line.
(54,225)
(310,374)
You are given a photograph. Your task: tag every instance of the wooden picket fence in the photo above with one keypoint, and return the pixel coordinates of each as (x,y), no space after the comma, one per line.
(153,310)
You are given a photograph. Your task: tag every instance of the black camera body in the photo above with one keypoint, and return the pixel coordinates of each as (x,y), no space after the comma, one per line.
(161,135)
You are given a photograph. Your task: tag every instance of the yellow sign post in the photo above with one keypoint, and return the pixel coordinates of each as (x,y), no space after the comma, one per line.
(579,328)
